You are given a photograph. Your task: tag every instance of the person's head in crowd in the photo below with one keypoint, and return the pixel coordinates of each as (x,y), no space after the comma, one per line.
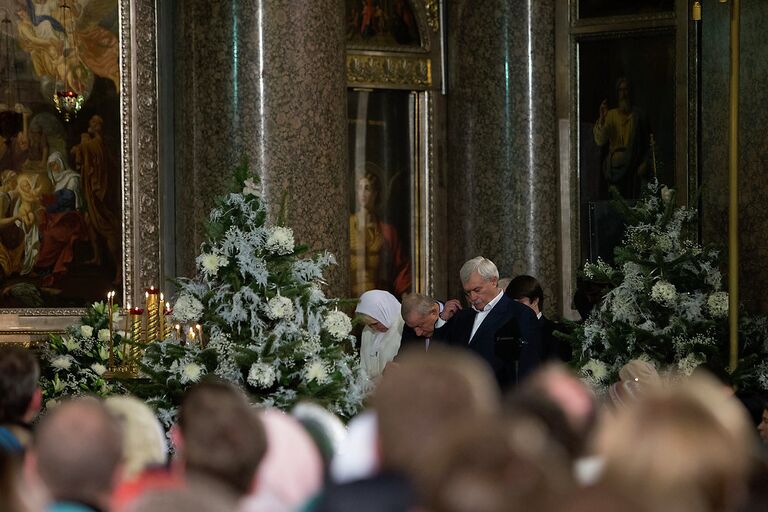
(144,444)
(324,427)
(636,378)
(20,395)
(762,427)
(532,405)
(422,394)
(504,282)
(379,310)
(12,497)
(420,313)
(197,498)
(682,447)
(77,452)
(292,470)
(220,435)
(489,464)
(527,290)
(480,279)
(561,387)
(358,455)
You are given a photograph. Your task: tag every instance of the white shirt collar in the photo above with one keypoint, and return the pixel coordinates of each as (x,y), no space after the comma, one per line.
(491,304)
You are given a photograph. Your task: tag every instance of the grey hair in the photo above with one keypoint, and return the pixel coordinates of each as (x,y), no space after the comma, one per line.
(483,266)
(416,303)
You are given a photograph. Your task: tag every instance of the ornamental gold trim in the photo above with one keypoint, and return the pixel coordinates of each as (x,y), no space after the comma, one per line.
(432,7)
(406,72)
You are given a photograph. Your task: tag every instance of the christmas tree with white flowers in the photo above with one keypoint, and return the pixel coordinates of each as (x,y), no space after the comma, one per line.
(267,325)
(664,302)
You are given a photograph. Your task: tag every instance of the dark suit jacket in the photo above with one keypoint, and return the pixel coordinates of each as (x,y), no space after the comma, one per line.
(494,340)
(554,347)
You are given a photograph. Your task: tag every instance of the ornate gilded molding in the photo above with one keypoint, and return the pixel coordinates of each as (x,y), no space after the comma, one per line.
(432,7)
(389,71)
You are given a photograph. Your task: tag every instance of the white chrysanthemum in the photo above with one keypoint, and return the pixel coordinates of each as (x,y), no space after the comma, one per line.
(103,334)
(252,188)
(664,293)
(317,370)
(717,304)
(279,307)
(210,263)
(191,373)
(338,324)
(261,375)
(70,343)
(280,240)
(62,363)
(86,330)
(98,368)
(187,309)
(595,369)
(689,363)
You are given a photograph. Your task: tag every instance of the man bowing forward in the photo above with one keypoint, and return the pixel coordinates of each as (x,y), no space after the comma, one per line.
(500,330)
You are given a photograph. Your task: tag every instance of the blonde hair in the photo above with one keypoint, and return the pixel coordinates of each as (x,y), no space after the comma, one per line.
(144,442)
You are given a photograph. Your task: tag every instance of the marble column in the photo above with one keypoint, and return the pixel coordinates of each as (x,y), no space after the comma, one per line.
(263,80)
(753,187)
(502,140)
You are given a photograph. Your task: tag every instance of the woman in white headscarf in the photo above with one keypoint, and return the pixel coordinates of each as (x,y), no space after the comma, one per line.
(380,340)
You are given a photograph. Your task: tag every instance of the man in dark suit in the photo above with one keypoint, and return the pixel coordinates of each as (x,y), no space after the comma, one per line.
(505,333)
(425,319)
(527,290)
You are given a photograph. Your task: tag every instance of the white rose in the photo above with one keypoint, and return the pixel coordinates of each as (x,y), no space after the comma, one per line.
(86,330)
(103,334)
(98,368)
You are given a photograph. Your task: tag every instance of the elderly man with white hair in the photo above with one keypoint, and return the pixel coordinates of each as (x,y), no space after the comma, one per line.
(505,333)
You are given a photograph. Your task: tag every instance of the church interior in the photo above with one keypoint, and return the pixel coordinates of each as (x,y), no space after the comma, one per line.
(281,243)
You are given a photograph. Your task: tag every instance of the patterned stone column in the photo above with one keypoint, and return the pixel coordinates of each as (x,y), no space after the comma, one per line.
(502,140)
(263,80)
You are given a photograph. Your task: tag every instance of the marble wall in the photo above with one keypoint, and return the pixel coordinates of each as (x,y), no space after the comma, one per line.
(502,140)
(753,186)
(255,80)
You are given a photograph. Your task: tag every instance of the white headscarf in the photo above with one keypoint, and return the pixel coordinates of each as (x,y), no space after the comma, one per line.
(379,348)
(65,178)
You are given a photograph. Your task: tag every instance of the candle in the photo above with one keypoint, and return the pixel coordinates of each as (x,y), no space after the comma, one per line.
(136,326)
(152,313)
(167,322)
(199,329)
(126,329)
(177,328)
(161,318)
(191,335)
(110,296)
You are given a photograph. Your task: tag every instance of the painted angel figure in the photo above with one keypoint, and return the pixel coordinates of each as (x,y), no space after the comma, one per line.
(70,41)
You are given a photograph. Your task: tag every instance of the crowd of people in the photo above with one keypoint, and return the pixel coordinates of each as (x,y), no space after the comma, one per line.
(466,413)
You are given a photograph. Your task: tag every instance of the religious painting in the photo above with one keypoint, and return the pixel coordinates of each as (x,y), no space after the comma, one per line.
(381,135)
(60,179)
(626,126)
(606,8)
(389,23)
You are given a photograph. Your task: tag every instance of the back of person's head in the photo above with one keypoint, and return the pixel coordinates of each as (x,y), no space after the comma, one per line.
(421,394)
(222,435)
(526,287)
(488,464)
(77,451)
(292,470)
(144,444)
(198,498)
(19,373)
(324,427)
(557,384)
(680,447)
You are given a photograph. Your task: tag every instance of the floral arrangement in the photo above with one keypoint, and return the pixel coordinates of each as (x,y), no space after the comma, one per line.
(75,363)
(664,302)
(269,327)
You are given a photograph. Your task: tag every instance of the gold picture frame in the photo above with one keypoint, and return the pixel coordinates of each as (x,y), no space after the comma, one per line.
(139,177)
